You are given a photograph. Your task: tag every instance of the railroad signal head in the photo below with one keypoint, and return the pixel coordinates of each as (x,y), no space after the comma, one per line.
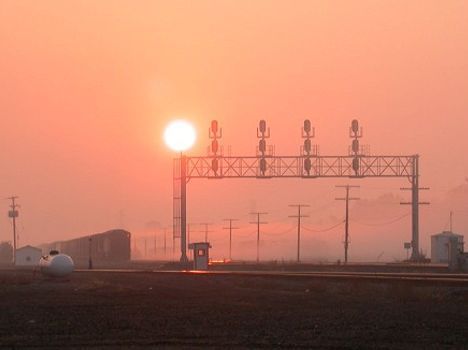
(355,146)
(307,146)
(356,165)
(214,132)
(263,166)
(262,126)
(308,130)
(214,126)
(307,165)
(307,126)
(214,146)
(214,165)
(355,126)
(355,131)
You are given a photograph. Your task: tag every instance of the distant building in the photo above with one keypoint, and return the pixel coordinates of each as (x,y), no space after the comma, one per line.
(440,246)
(6,253)
(28,256)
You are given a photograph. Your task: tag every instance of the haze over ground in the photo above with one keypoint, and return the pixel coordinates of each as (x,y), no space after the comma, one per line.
(87,88)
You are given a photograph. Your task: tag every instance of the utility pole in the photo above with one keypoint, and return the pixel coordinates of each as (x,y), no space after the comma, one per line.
(13,214)
(347,199)
(451,217)
(230,228)
(165,243)
(206,224)
(415,203)
(173,246)
(90,259)
(258,223)
(189,230)
(299,216)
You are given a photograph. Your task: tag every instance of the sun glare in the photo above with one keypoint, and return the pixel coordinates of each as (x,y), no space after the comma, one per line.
(179,135)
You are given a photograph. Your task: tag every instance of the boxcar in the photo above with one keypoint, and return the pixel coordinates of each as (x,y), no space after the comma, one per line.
(104,248)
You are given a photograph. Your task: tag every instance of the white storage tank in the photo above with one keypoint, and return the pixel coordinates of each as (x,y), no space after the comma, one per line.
(440,246)
(56,264)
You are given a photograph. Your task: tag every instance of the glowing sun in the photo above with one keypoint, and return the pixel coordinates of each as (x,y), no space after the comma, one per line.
(179,135)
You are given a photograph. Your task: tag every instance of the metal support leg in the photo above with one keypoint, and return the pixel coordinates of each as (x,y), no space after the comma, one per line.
(183,209)
(415,210)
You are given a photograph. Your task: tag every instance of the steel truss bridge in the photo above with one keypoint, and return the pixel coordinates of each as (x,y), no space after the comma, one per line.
(308,165)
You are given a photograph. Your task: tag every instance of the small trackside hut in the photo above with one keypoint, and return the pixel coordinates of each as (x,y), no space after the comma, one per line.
(200,255)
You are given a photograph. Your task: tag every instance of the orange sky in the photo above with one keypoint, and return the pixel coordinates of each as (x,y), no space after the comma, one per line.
(87,87)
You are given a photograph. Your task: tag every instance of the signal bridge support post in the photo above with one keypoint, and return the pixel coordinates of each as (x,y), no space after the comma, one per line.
(415,211)
(183,209)
(415,203)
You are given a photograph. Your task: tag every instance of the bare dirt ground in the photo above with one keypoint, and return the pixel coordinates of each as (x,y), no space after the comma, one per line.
(107,310)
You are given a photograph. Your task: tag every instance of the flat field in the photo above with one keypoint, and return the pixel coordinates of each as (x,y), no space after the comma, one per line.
(125,310)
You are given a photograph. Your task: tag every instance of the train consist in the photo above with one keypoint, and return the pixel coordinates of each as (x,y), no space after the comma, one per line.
(107,248)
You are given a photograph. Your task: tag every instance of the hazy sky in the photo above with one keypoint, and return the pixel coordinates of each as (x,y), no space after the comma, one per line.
(88,86)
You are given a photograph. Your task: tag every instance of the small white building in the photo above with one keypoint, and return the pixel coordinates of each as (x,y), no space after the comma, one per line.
(28,256)
(440,246)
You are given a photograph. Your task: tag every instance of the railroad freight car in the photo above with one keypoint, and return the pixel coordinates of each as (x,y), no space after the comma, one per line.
(107,248)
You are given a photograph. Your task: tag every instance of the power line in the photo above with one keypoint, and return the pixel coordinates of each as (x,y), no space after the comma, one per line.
(299,216)
(347,199)
(246,234)
(327,205)
(384,223)
(281,232)
(258,223)
(324,230)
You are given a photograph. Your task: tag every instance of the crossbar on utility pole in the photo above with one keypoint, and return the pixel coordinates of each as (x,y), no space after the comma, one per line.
(258,223)
(230,228)
(299,216)
(347,199)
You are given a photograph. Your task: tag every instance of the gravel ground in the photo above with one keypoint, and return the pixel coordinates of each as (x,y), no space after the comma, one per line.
(108,310)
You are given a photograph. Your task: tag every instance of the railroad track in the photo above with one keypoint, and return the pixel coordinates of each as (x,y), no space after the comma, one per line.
(425,278)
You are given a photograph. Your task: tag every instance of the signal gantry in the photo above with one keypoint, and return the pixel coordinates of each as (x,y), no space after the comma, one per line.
(307,164)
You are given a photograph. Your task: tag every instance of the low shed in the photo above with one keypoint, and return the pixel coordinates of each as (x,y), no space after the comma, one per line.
(28,256)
